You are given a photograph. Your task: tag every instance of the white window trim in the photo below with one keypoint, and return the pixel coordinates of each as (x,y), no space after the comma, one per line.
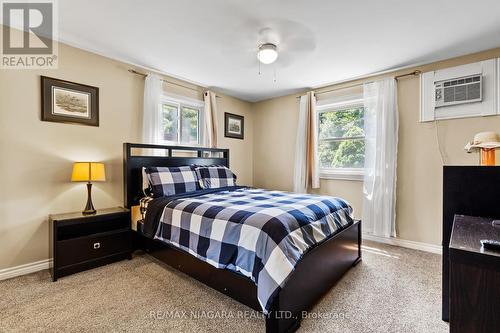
(180,101)
(339,102)
(342,174)
(354,174)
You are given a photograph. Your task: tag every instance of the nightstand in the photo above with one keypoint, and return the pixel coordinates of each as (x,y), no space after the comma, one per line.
(79,242)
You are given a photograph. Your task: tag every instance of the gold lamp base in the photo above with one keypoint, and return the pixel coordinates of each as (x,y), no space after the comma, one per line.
(487,157)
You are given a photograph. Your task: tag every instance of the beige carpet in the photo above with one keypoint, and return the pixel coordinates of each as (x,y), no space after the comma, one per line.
(391,290)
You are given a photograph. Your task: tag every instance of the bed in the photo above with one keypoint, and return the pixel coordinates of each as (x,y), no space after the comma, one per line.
(313,273)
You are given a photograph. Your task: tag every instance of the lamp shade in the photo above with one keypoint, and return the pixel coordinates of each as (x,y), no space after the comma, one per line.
(88,172)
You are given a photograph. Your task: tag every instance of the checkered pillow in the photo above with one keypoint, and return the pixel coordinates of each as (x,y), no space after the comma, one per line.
(165,181)
(215,177)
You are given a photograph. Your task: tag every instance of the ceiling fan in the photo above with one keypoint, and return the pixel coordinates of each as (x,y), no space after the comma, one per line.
(273,41)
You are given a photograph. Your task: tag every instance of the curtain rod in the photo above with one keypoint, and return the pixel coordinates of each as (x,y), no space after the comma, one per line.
(414,73)
(133,71)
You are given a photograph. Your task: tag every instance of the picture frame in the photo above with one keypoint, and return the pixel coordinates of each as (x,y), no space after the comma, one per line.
(234,126)
(69,102)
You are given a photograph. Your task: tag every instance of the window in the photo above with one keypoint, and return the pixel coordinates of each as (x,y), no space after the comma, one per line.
(180,122)
(341,143)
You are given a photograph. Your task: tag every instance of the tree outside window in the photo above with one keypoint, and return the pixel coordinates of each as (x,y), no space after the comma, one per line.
(180,123)
(342,137)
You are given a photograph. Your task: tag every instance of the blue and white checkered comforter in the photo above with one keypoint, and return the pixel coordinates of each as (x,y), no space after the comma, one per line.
(258,233)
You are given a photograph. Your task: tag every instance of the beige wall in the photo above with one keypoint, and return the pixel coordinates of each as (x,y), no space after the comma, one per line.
(419,176)
(36,157)
(240,151)
(274,142)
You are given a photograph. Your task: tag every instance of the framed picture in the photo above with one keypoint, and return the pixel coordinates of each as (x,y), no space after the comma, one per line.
(234,126)
(69,102)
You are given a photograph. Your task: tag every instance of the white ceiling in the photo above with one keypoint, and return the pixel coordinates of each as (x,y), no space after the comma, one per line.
(213,43)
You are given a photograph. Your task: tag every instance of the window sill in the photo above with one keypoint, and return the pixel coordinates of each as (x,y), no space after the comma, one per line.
(342,174)
(174,143)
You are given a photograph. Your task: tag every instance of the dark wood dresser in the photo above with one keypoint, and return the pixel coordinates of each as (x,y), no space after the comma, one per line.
(79,242)
(467,190)
(474,276)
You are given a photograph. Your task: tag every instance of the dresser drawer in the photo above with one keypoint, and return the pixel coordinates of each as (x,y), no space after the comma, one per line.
(77,250)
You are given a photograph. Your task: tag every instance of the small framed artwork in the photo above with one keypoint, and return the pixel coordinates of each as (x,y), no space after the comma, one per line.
(234,126)
(69,102)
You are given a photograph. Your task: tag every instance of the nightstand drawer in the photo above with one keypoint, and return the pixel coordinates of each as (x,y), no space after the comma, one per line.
(86,227)
(77,250)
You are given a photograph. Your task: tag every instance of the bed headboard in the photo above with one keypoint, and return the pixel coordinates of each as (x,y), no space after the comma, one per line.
(138,155)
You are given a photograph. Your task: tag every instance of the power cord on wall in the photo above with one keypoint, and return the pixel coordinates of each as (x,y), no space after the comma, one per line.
(441,152)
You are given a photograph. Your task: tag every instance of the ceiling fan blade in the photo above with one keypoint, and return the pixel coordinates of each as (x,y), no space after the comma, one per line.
(298,44)
(285,60)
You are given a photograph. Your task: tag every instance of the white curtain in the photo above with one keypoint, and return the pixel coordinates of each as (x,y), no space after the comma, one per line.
(210,137)
(306,170)
(381,145)
(151,120)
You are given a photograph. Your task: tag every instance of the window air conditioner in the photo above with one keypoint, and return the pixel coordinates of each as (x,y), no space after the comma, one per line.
(467,89)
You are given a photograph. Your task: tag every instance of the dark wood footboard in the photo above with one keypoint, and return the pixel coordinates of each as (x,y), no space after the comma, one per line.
(313,277)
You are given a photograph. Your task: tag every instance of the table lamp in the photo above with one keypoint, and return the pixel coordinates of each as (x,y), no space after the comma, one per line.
(88,172)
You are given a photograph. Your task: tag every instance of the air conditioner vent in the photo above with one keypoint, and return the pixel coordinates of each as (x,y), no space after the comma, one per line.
(458,91)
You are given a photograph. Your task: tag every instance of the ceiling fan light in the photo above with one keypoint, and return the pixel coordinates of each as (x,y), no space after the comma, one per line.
(267,53)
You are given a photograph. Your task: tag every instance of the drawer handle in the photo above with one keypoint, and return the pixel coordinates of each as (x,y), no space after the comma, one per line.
(97,246)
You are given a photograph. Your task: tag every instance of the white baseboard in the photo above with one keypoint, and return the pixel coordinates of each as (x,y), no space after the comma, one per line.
(33,267)
(406,243)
